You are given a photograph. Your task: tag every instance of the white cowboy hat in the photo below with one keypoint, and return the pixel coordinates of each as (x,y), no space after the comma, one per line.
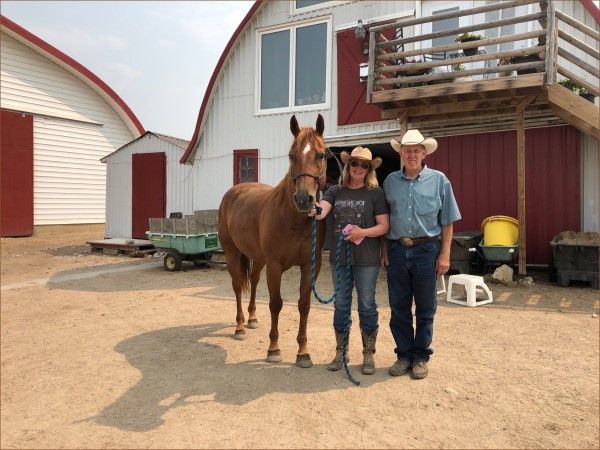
(412,137)
(361,153)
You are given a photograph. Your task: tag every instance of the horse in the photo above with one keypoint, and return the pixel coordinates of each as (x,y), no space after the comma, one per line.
(259,226)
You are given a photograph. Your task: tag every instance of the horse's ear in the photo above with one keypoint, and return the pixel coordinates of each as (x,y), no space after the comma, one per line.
(294,128)
(320,125)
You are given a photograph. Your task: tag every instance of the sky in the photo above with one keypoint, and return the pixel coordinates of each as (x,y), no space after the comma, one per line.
(158,56)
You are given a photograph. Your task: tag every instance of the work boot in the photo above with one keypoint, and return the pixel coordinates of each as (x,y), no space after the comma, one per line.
(400,367)
(419,369)
(338,362)
(368,340)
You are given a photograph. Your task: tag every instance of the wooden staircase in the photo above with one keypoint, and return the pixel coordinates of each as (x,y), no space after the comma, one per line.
(574,109)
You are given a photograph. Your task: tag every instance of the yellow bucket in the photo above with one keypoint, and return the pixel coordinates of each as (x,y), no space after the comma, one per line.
(500,230)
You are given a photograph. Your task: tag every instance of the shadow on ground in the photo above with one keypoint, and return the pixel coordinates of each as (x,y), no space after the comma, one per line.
(179,367)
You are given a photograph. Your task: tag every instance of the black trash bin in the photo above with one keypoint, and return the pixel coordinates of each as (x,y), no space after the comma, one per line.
(461,259)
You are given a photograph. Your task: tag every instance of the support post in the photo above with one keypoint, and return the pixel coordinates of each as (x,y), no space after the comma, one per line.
(521,184)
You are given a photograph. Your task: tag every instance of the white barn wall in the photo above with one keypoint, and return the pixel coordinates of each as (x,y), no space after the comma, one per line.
(589,183)
(232,106)
(118,195)
(74,127)
(179,183)
(575,10)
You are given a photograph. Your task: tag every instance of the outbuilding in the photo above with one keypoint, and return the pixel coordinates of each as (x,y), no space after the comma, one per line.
(144,180)
(58,120)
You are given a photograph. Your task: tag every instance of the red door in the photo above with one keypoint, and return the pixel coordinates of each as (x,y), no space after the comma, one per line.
(16,174)
(149,188)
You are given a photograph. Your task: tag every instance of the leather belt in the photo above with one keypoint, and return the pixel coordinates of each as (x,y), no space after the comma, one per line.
(409,242)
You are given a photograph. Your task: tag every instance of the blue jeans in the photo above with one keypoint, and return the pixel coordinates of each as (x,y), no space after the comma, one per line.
(365,280)
(411,274)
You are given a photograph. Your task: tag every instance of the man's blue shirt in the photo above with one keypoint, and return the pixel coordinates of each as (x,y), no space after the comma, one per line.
(419,207)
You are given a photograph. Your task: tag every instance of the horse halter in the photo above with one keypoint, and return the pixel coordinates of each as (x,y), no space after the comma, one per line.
(317,178)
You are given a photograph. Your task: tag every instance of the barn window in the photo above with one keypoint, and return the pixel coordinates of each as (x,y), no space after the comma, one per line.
(307,4)
(245,166)
(302,82)
(302,6)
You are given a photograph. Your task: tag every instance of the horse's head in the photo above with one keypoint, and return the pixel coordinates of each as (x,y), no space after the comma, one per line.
(308,163)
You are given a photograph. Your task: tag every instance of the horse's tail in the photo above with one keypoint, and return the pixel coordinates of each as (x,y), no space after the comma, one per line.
(245,270)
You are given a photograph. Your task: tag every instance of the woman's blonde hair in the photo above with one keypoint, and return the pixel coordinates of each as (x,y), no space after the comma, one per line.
(370,180)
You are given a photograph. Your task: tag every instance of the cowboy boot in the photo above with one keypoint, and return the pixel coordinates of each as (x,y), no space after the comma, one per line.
(369,340)
(338,362)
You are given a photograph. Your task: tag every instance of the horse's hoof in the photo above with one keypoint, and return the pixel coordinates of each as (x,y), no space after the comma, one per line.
(274,356)
(252,324)
(239,335)
(303,361)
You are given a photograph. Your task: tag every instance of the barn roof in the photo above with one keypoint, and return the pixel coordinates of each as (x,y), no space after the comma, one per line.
(182,143)
(188,156)
(100,87)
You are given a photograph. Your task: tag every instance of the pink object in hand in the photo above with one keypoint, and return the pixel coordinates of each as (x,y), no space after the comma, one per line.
(347,230)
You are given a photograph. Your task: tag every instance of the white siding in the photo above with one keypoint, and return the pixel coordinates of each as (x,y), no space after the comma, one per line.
(119,183)
(232,106)
(74,127)
(230,119)
(589,183)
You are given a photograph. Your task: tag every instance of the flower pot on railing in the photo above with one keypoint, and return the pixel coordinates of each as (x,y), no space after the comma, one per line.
(468,37)
(525,59)
(588,96)
(583,92)
(413,72)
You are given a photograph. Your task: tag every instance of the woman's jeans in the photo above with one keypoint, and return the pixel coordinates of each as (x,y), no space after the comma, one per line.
(364,278)
(411,274)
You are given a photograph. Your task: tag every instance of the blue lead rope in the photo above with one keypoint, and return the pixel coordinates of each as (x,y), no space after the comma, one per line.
(337,288)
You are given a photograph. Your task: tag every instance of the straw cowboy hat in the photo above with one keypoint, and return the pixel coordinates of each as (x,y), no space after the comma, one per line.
(361,153)
(413,137)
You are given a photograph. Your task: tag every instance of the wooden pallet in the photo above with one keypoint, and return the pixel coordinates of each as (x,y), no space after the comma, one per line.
(138,248)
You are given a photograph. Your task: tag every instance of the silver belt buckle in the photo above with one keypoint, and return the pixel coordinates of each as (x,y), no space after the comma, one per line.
(406,241)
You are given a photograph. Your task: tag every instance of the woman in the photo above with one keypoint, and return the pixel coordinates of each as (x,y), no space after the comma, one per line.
(357,201)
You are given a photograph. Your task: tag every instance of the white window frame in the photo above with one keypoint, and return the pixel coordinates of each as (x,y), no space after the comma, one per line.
(291,93)
(326,4)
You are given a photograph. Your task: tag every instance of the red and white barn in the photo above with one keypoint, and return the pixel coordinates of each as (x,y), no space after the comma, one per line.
(304,58)
(58,120)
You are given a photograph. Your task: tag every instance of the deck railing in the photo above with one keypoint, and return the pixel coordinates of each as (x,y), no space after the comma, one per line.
(556,44)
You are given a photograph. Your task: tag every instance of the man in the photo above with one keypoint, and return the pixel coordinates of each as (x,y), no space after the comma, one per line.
(422,206)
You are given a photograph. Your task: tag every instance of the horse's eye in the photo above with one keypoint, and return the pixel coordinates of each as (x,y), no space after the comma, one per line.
(321,156)
(292,157)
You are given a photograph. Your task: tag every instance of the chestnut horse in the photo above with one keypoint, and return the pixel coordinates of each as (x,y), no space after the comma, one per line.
(260,225)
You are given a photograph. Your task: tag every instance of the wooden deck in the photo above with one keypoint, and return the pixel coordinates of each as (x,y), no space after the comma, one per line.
(486,96)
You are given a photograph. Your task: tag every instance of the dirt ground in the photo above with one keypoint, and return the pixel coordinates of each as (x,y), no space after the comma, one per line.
(107,351)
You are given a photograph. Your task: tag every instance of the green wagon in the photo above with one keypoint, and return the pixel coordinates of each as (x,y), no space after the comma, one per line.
(197,248)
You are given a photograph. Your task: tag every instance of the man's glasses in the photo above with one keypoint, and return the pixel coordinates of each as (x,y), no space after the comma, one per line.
(363,165)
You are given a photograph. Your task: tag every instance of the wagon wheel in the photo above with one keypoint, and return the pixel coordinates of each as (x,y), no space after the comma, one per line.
(203,259)
(172,262)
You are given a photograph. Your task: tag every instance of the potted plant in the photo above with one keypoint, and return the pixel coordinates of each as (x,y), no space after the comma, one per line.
(468,37)
(459,68)
(589,96)
(523,59)
(415,72)
(568,84)
(583,92)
